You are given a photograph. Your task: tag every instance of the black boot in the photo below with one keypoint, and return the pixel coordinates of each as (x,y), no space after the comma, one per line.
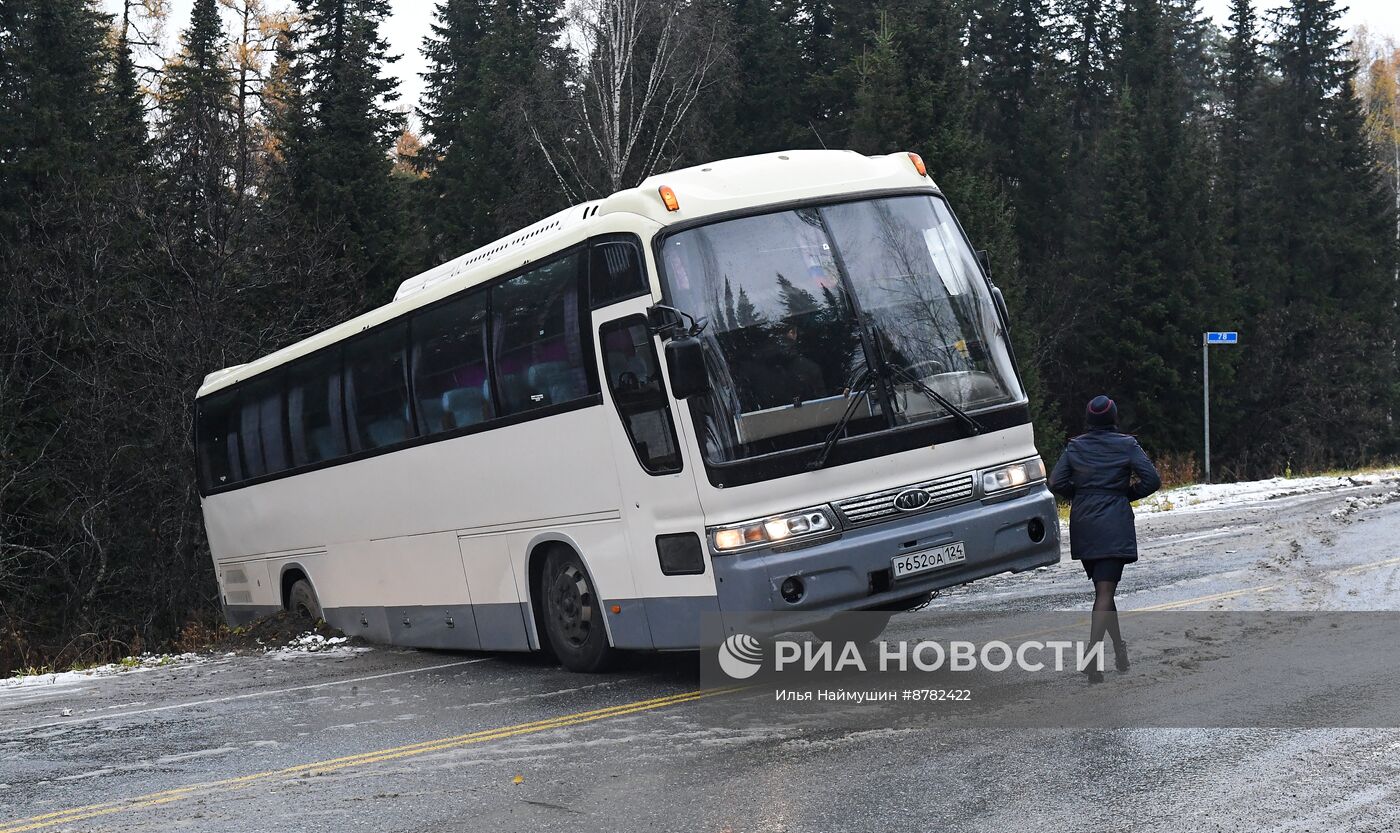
(1120,655)
(1094,675)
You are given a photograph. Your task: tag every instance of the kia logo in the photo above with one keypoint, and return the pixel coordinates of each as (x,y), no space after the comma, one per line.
(911,499)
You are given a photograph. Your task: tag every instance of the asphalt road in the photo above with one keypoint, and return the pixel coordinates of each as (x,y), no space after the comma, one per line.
(391,740)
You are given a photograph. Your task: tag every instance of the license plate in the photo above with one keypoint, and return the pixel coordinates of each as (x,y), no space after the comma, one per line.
(925,560)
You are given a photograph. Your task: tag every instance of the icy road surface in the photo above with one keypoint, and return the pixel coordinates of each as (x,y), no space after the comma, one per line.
(392,740)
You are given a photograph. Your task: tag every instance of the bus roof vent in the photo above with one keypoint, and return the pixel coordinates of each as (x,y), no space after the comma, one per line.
(493,250)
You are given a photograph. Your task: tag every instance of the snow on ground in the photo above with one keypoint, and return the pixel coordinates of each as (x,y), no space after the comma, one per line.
(1206,496)
(306,645)
(29,683)
(1356,504)
(314,644)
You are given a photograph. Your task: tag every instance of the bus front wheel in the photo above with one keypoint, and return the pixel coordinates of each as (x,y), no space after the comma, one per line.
(573,614)
(302,601)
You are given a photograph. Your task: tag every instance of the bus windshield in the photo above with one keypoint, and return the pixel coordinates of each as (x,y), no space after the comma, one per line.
(801,302)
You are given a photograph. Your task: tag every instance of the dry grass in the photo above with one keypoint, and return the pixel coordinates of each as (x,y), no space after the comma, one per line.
(198,636)
(1178,470)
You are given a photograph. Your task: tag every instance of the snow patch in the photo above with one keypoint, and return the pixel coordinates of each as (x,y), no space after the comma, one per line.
(314,644)
(34,683)
(1356,504)
(1210,496)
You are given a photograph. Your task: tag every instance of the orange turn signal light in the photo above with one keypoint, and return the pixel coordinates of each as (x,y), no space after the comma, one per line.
(918,164)
(617,608)
(669,197)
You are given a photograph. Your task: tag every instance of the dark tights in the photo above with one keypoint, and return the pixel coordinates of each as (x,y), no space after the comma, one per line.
(1105,617)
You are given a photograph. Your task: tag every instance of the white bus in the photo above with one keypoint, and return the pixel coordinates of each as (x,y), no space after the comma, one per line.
(775,383)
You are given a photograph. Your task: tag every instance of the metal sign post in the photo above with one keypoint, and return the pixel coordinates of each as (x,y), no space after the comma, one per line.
(1207,339)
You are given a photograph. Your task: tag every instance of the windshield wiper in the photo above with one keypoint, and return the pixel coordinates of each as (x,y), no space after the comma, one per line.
(878,338)
(918,384)
(865,381)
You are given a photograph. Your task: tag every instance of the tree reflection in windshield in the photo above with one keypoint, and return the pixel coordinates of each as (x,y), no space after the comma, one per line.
(784,341)
(917,282)
(777,307)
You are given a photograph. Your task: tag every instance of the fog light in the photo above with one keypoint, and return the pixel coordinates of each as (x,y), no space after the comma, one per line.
(792,590)
(1036,529)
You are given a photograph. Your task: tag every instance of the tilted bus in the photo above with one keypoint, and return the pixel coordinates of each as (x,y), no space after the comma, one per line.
(776,383)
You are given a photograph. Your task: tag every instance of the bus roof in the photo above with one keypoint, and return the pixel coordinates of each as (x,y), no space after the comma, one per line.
(703,190)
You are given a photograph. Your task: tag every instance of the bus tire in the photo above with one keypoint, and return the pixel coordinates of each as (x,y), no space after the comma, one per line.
(573,614)
(302,601)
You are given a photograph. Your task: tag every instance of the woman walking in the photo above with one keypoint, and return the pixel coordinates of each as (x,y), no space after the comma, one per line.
(1103,471)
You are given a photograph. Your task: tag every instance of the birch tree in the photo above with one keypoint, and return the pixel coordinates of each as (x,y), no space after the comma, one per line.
(640,68)
(1378,85)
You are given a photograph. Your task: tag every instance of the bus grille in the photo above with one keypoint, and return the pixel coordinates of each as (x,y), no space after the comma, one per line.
(879,506)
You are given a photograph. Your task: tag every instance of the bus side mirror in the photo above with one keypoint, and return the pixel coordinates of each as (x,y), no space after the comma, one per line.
(1000,301)
(685,366)
(663,320)
(986,261)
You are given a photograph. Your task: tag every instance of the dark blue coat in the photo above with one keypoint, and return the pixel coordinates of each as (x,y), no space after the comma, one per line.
(1103,471)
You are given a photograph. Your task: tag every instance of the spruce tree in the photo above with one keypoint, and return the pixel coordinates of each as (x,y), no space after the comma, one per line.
(1238,199)
(1319,374)
(1154,266)
(335,137)
(127,130)
(1018,107)
(763,112)
(880,115)
(1239,125)
(51,98)
(484,57)
(196,127)
(1089,37)
(913,90)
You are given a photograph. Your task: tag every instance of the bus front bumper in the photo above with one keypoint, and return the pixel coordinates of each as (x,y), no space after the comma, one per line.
(853,572)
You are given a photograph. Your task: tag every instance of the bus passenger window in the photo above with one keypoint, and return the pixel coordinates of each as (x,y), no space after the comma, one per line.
(615,272)
(376,389)
(634,377)
(539,349)
(220,462)
(450,382)
(313,409)
(264,443)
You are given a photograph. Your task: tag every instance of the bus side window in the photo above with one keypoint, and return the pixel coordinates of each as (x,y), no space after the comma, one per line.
(263,440)
(539,351)
(313,409)
(615,272)
(217,429)
(450,381)
(634,377)
(376,389)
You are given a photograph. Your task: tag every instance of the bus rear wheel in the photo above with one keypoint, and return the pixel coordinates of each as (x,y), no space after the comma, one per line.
(302,601)
(573,615)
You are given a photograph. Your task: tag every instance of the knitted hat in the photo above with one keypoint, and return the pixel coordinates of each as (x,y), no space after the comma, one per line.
(1102,411)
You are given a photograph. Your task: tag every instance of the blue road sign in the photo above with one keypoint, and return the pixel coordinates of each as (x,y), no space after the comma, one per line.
(1222,338)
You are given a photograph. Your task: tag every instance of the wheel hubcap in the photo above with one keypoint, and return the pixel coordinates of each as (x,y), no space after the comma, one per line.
(571,600)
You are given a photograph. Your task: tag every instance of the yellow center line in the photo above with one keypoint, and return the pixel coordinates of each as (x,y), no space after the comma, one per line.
(482,736)
(1214,597)
(1361,568)
(331,765)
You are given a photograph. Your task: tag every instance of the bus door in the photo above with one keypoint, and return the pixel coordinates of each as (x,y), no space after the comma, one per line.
(660,505)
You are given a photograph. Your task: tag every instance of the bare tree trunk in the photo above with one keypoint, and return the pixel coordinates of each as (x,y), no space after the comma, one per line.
(640,67)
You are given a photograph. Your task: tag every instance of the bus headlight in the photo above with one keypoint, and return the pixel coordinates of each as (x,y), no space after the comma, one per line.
(1009,477)
(771,530)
